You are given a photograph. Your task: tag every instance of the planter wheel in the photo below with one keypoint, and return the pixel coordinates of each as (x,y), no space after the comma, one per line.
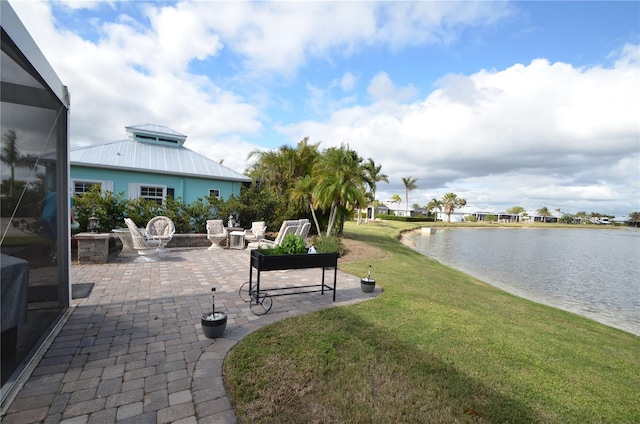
(244,292)
(260,304)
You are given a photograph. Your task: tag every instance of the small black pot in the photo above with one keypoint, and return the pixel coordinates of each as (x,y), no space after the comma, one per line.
(367,284)
(213,329)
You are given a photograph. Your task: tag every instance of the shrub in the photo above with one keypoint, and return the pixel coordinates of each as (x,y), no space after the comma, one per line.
(328,244)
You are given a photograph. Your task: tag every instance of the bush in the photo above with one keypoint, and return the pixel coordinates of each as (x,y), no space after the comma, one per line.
(328,244)
(405,218)
(108,208)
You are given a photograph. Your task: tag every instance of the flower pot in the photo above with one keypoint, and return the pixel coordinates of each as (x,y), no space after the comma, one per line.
(367,284)
(213,325)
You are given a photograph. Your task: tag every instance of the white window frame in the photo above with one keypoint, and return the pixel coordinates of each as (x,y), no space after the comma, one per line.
(211,192)
(104,185)
(135,191)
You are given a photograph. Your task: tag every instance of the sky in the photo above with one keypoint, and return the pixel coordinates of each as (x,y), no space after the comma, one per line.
(535,104)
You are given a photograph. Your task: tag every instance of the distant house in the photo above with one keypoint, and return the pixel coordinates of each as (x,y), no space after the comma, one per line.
(394,208)
(420,212)
(152,163)
(533,216)
(382,209)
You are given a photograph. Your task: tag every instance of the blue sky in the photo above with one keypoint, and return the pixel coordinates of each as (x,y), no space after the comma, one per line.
(504,103)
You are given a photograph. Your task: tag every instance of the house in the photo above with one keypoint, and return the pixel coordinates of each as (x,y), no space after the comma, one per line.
(458,215)
(152,163)
(420,212)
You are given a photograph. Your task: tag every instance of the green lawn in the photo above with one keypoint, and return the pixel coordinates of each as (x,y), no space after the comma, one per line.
(436,346)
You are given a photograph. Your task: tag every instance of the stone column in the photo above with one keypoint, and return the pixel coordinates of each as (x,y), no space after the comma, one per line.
(93,248)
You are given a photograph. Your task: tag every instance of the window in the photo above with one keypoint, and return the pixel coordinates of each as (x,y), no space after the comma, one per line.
(214,192)
(153,193)
(81,187)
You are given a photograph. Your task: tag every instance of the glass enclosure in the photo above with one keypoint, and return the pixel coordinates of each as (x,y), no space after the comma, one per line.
(34,201)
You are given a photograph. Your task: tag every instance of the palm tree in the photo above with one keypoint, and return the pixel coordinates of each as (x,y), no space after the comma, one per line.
(340,182)
(272,169)
(12,157)
(544,213)
(280,170)
(516,210)
(433,205)
(634,219)
(396,199)
(374,176)
(450,202)
(303,191)
(409,185)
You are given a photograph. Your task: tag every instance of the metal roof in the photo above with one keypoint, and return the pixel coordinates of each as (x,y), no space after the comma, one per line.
(156,130)
(153,157)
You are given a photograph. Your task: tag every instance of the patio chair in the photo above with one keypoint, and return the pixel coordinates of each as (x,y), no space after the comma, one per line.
(287,227)
(146,247)
(257,231)
(301,223)
(303,232)
(216,232)
(160,228)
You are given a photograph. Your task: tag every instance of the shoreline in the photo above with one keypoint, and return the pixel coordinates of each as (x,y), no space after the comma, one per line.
(624,325)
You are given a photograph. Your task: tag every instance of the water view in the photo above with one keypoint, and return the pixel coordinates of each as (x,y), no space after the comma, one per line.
(591,272)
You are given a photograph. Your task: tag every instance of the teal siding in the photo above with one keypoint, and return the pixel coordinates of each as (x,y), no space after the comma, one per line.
(187,188)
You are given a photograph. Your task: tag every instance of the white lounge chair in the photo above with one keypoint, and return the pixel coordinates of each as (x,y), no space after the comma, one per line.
(216,232)
(147,248)
(301,223)
(303,231)
(287,227)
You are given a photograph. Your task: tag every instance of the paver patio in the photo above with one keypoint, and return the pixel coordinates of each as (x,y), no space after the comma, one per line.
(133,351)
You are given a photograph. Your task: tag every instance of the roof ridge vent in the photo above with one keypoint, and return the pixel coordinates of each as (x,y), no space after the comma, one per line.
(152,133)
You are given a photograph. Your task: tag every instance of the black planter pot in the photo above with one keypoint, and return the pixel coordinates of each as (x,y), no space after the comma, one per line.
(367,284)
(214,329)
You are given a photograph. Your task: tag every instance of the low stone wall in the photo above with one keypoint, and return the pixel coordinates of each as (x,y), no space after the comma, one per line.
(178,240)
(189,240)
(96,248)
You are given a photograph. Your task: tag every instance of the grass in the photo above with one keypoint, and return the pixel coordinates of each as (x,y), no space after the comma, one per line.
(436,346)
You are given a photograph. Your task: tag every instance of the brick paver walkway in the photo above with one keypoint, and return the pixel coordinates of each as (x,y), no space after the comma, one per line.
(133,351)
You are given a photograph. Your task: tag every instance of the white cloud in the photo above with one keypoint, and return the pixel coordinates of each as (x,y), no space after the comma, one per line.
(132,77)
(282,36)
(381,88)
(348,81)
(544,123)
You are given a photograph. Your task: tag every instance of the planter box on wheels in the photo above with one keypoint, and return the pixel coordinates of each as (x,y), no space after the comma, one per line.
(261,299)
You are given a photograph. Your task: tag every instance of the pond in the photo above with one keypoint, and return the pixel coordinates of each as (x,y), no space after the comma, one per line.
(591,272)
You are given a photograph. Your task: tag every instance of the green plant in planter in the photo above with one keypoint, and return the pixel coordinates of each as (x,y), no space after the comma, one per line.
(291,245)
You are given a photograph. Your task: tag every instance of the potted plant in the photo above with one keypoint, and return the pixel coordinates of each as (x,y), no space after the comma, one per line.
(213,323)
(291,254)
(367,284)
